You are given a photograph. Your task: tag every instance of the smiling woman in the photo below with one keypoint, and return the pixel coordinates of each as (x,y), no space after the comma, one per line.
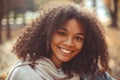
(65,43)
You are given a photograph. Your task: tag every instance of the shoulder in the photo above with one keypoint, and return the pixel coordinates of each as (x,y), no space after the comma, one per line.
(103,76)
(22,71)
(97,76)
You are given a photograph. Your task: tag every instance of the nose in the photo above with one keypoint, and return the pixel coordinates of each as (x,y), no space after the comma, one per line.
(68,42)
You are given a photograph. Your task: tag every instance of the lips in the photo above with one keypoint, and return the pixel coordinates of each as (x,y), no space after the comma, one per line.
(65,50)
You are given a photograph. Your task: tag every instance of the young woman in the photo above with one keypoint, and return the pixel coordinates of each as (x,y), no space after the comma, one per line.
(66,43)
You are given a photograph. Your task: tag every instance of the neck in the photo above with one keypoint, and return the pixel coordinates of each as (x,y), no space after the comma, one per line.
(57,63)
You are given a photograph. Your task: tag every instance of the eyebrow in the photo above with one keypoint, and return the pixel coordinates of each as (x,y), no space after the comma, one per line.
(62,28)
(80,33)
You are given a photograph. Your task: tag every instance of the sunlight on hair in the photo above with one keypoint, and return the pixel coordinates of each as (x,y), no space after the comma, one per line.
(53,4)
(108,40)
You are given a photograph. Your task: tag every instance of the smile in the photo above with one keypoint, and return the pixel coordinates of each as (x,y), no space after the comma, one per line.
(65,51)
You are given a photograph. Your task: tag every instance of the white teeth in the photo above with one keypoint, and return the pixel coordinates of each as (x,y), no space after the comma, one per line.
(65,51)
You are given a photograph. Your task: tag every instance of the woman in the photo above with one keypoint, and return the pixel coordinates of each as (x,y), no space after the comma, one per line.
(66,43)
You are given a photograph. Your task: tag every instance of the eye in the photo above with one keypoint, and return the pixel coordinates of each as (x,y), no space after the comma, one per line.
(79,38)
(61,33)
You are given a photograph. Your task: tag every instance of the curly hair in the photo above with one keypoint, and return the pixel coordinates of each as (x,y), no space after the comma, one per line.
(35,40)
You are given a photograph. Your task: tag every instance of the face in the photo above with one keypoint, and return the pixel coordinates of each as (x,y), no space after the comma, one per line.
(67,42)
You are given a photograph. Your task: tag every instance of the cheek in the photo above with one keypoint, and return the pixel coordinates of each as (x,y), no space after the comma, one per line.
(79,46)
(55,40)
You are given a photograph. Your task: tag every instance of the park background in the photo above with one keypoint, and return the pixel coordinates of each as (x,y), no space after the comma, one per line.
(15,14)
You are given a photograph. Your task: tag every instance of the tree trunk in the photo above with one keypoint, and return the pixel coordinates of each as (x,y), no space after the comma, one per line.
(0,29)
(114,14)
(78,1)
(8,30)
(94,3)
(1,14)
(6,11)
(113,11)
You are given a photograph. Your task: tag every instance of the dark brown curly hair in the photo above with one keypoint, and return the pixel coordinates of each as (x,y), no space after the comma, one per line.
(35,40)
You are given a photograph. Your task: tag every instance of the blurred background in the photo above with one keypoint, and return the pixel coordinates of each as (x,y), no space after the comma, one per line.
(15,14)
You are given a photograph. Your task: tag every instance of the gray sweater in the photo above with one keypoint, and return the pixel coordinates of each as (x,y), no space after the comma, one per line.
(46,70)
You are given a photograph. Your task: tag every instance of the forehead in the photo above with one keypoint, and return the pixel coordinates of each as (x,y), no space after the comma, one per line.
(72,25)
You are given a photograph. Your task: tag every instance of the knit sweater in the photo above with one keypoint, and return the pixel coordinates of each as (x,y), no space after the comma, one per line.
(46,70)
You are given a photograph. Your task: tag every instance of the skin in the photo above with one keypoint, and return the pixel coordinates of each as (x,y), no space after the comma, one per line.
(67,42)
